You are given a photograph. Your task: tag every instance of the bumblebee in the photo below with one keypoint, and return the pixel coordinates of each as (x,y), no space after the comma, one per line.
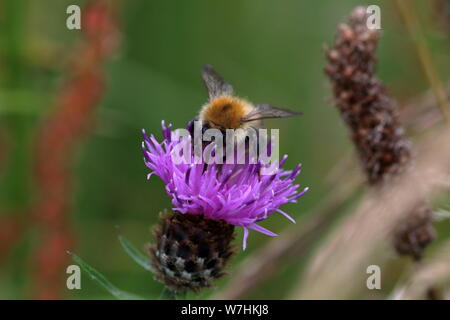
(225,111)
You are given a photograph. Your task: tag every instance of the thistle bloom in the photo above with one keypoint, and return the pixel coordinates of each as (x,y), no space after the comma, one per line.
(234,193)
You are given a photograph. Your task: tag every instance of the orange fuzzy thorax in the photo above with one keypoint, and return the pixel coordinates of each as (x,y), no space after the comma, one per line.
(225,112)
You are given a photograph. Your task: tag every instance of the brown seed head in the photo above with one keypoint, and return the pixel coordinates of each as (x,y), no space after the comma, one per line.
(371,115)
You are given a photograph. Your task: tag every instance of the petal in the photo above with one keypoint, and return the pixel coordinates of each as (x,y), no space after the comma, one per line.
(286,215)
(263,230)
(244,240)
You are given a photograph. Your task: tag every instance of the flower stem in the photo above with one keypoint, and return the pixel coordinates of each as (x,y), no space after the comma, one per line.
(168,294)
(423,53)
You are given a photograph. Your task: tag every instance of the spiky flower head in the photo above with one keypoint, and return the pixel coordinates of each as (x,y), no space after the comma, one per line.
(235,193)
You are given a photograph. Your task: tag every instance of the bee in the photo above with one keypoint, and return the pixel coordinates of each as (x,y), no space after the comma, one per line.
(225,111)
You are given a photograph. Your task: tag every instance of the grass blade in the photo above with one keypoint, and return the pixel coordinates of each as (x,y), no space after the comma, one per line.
(135,254)
(97,276)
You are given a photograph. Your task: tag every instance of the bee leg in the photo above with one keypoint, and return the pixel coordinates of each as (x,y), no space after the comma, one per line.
(190,126)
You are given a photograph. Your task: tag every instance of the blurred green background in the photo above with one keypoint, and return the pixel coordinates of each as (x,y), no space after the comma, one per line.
(271,51)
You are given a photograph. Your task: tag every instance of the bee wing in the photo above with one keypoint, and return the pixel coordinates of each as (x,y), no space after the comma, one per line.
(266,111)
(214,83)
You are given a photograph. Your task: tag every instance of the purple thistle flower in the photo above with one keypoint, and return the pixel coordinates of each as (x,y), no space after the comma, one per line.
(235,193)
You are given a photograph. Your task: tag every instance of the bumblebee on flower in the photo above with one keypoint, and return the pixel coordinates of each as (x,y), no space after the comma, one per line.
(218,196)
(209,199)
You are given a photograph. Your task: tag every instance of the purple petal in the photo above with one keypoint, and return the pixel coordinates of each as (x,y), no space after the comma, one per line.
(244,240)
(263,230)
(286,215)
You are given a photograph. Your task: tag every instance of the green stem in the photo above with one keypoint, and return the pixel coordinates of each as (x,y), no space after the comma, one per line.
(423,52)
(15,187)
(168,294)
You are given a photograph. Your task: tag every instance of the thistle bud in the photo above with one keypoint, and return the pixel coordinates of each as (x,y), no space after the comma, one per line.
(190,252)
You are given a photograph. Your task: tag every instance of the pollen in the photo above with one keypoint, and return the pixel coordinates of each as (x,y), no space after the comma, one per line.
(225,112)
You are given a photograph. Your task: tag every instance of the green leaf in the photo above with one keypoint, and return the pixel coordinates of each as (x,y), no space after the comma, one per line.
(135,254)
(97,276)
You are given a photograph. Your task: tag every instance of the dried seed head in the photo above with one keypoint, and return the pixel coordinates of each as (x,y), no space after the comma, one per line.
(362,100)
(190,251)
(371,115)
(416,233)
